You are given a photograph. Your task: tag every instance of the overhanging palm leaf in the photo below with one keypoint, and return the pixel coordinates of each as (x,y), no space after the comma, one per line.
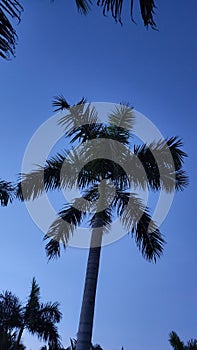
(8,36)
(114,7)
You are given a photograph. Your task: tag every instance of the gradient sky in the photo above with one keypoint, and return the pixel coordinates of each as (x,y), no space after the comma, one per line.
(62,52)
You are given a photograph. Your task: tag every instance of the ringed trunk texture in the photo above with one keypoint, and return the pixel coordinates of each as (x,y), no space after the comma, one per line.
(84,335)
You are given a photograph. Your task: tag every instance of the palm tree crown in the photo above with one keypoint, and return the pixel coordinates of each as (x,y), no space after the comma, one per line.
(105,186)
(36,317)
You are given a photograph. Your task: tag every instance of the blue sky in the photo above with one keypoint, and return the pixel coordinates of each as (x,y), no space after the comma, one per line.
(59,51)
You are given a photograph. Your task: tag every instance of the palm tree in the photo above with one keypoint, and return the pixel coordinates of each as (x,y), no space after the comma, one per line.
(38,318)
(10,309)
(6,192)
(177,344)
(8,36)
(106,189)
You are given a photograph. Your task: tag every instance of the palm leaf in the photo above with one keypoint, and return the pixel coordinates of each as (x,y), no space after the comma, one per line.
(147,12)
(51,310)
(8,36)
(123,117)
(63,227)
(83,6)
(59,171)
(60,102)
(176,342)
(115,8)
(7,192)
(32,305)
(162,162)
(81,122)
(135,218)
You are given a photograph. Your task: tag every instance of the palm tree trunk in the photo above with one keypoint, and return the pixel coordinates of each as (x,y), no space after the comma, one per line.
(19,338)
(84,334)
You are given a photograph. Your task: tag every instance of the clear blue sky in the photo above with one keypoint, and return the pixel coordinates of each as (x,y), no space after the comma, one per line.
(59,51)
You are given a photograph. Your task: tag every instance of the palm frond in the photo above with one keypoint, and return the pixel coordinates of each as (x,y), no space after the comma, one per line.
(60,102)
(135,219)
(123,117)
(63,227)
(162,162)
(148,238)
(45,330)
(10,311)
(176,342)
(83,6)
(115,8)
(33,299)
(86,127)
(175,144)
(81,122)
(8,36)
(51,311)
(7,192)
(147,11)
(112,6)
(59,171)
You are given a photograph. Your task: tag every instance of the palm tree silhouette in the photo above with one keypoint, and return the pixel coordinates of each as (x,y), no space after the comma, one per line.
(106,189)
(6,192)
(38,318)
(177,344)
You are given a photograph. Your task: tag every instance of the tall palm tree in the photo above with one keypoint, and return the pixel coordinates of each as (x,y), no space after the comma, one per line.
(106,189)
(38,318)
(6,192)
(8,36)
(177,344)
